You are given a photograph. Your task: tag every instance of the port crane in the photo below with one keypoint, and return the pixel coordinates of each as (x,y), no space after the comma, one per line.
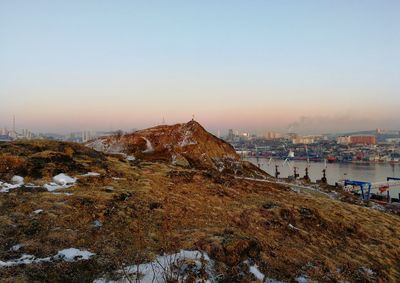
(367,186)
(362,185)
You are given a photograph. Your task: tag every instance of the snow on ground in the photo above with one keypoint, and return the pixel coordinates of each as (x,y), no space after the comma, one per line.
(113,146)
(6,187)
(24,259)
(53,186)
(31,186)
(73,254)
(176,266)
(91,174)
(17,180)
(118,178)
(65,194)
(293,227)
(253,269)
(301,279)
(61,181)
(173,159)
(187,139)
(98,145)
(97,223)
(69,255)
(16,247)
(38,211)
(149,146)
(130,158)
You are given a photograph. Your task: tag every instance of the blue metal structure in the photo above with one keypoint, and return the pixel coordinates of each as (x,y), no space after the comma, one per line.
(362,185)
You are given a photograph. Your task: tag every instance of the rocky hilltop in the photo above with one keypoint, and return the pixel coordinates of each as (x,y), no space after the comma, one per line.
(187,145)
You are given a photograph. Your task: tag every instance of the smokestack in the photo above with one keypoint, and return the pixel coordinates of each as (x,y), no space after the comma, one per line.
(14,123)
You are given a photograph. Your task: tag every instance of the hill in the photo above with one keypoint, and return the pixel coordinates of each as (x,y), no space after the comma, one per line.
(122,219)
(188,145)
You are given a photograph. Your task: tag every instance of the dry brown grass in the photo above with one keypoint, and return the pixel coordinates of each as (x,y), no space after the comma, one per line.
(11,163)
(160,208)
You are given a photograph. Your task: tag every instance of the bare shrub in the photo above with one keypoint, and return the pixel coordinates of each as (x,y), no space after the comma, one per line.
(11,165)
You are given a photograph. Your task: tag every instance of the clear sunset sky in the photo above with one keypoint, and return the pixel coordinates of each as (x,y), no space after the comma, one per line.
(322,66)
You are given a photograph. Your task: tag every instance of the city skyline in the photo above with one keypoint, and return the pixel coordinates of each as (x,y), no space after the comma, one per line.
(310,66)
(292,128)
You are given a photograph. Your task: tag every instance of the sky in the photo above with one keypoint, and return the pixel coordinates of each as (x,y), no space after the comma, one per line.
(305,66)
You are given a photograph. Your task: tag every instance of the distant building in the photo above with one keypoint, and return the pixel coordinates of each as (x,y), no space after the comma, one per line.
(303,140)
(26,134)
(343,140)
(369,140)
(12,134)
(5,138)
(393,140)
(230,135)
(272,136)
(86,136)
(292,135)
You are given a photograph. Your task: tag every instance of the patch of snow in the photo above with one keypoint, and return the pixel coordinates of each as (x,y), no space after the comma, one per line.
(30,185)
(97,223)
(73,254)
(368,271)
(66,194)
(16,247)
(292,227)
(378,207)
(256,272)
(69,255)
(301,279)
(6,187)
(187,139)
(62,179)
(17,180)
(24,259)
(219,164)
(38,211)
(98,145)
(173,159)
(177,265)
(53,186)
(115,148)
(91,174)
(253,269)
(296,190)
(149,146)
(130,158)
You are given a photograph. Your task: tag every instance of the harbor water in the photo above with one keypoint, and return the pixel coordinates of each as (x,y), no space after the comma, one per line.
(372,172)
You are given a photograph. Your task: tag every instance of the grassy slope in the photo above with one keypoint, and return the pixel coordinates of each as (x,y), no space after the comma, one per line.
(159,207)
